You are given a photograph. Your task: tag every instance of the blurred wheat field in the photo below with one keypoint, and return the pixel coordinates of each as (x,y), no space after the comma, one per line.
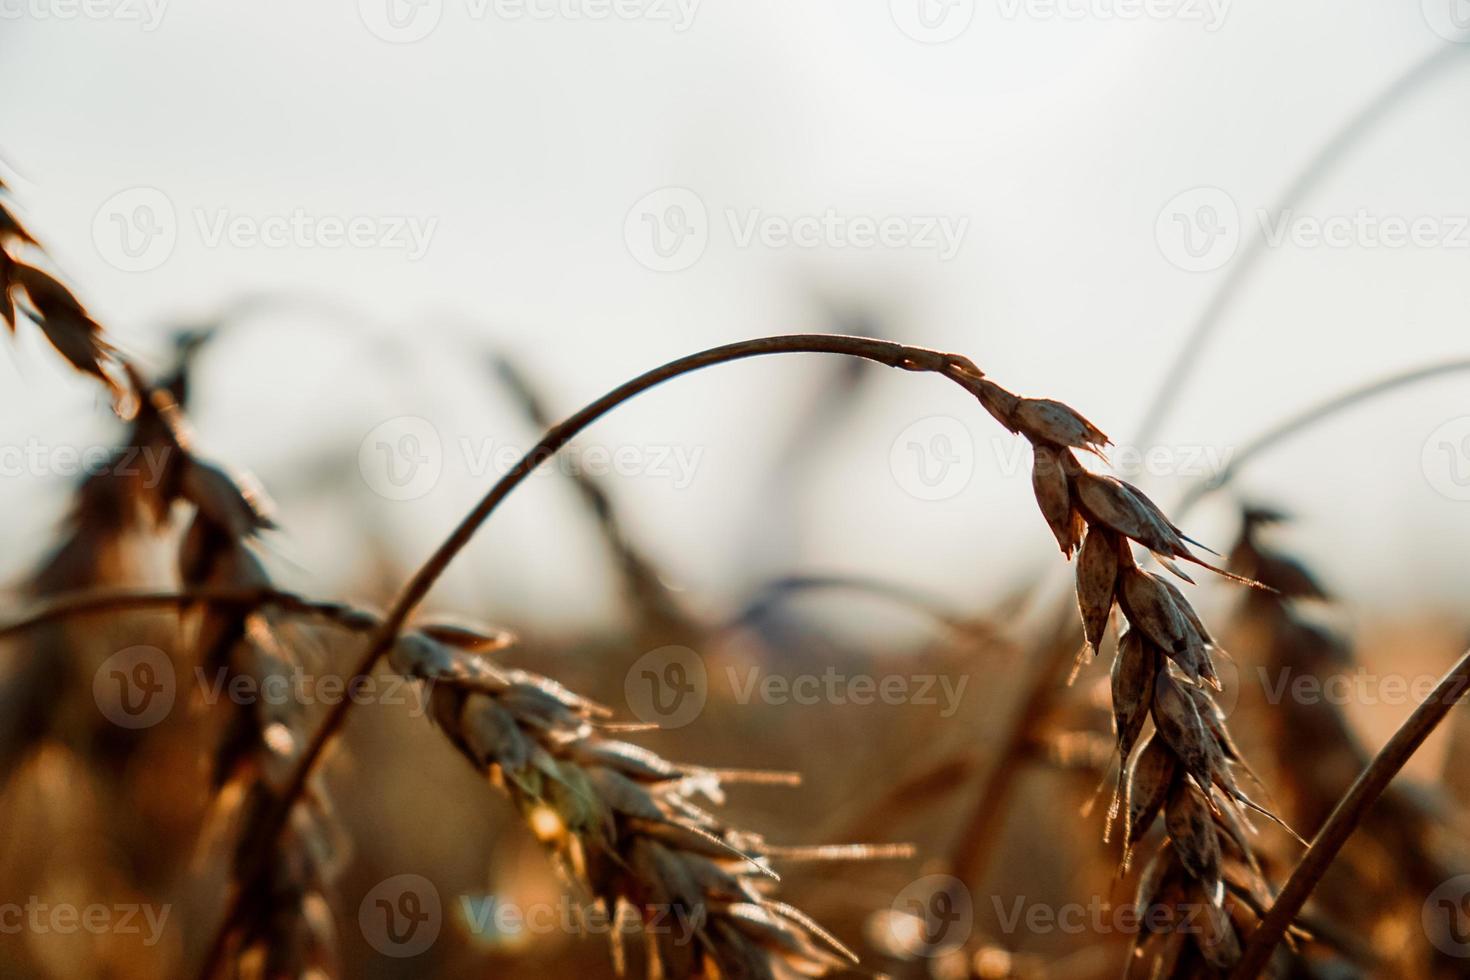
(1186,747)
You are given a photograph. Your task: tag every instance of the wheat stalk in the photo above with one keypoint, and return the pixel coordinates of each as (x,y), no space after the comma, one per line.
(1353,130)
(282,911)
(1402,825)
(283,927)
(1348,814)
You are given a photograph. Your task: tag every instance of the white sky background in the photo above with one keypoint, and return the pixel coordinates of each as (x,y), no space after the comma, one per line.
(1058,138)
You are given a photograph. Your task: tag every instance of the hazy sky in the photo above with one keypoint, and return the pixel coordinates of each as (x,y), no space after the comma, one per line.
(1054,188)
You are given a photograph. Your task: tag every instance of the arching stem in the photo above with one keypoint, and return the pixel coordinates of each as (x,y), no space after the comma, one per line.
(955,367)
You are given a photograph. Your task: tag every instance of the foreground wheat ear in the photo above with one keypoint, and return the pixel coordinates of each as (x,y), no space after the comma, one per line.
(1163,671)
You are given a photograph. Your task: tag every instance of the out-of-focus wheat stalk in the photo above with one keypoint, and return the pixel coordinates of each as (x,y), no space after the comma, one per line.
(284,922)
(1402,830)
(49,304)
(82,603)
(1348,814)
(284,926)
(1354,129)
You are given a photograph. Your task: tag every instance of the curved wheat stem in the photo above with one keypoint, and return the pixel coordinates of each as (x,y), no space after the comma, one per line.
(958,369)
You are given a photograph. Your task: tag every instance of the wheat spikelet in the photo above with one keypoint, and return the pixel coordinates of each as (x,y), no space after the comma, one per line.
(627,824)
(1185,769)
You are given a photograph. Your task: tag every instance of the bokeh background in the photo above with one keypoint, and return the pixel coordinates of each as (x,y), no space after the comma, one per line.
(1112,181)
